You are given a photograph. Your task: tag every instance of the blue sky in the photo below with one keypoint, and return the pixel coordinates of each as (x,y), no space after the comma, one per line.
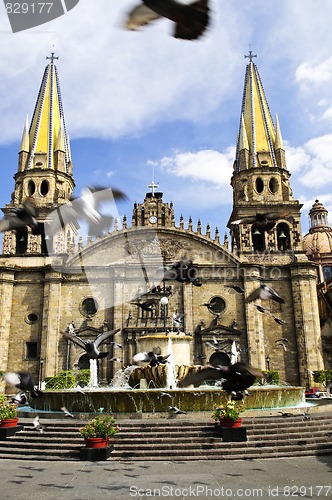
(138,101)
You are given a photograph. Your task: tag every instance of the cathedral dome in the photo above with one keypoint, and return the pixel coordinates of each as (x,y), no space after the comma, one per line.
(319,238)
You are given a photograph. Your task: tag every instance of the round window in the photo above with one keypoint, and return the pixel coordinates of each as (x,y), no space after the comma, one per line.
(217,305)
(259,185)
(32,318)
(89,307)
(44,187)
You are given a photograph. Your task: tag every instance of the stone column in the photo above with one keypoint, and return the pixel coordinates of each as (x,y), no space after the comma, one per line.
(254,320)
(51,323)
(6,300)
(307,325)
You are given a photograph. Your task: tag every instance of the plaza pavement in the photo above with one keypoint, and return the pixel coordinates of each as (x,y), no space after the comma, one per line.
(306,477)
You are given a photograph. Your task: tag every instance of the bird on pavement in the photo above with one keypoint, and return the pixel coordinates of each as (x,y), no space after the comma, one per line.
(37,425)
(91,347)
(175,410)
(23,381)
(20,217)
(84,208)
(264,292)
(191,20)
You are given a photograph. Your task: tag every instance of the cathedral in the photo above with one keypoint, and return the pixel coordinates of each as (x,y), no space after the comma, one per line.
(111,281)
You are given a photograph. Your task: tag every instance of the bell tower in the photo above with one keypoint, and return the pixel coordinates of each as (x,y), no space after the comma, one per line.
(44,168)
(260,177)
(153,212)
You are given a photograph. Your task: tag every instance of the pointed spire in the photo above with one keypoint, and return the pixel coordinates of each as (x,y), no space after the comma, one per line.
(25,142)
(48,130)
(256,125)
(278,142)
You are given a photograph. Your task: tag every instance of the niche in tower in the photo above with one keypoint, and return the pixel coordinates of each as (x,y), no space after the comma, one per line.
(283,237)
(21,241)
(257,238)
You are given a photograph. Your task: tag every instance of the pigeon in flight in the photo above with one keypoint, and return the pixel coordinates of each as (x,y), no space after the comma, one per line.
(21,217)
(278,320)
(262,221)
(85,208)
(183,271)
(236,378)
(23,381)
(91,347)
(37,425)
(264,292)
(66,412)
(191,20)
(151,358)
(237,288)
(19,399)
(148,305)
(115,344)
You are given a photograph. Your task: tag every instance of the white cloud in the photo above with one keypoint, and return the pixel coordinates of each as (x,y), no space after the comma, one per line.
(207,165)
(314,73)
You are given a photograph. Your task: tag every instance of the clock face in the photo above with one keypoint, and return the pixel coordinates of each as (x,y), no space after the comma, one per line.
(153,219)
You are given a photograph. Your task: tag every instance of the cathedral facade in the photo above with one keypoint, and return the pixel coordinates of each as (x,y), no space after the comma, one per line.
(102,284)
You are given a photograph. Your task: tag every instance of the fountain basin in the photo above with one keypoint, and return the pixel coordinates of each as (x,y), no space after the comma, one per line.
(153,401)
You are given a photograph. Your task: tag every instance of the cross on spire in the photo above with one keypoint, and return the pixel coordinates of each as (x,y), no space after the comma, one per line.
(250,56)
(52,57)
(153,186)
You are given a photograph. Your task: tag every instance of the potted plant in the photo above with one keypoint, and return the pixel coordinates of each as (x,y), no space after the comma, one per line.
(8,414)
(98,431)
(228,414)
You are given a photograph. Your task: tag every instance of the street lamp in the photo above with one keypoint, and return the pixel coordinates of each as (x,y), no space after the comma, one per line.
(164,302)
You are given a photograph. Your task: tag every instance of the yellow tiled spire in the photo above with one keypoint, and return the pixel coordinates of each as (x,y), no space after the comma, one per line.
(256,120)
(47,129)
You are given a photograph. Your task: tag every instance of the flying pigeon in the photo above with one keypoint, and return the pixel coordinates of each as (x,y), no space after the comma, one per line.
(115,344)
(278,320)
(23,381)
(85,208)
(175,410)
(91,347)
(264,292)
(166,395)
(262,222)
(177,320)
(237,288)
(283,345)
(151,358)
(66,412)
(148,305)
(19,399)
(282,339)
(115,359)
(262,309)
(237,377)
(38,427)
(20,217)
(183,271)
(190,20)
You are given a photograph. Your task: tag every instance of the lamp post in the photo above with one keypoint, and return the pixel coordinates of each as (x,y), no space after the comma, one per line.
(164,302)
(268,359)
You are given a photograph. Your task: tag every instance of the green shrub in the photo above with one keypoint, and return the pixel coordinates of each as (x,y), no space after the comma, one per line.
(272,377)
(68,379)
(323,377)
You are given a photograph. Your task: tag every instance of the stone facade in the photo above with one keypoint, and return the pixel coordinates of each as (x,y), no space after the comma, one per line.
(97,286)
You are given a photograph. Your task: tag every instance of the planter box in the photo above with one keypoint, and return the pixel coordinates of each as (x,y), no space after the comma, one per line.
(95,454)
(232,434)
(9,431)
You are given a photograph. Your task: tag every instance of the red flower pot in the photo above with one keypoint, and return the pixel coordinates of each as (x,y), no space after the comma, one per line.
(9,422)
(96,442)
(228,422)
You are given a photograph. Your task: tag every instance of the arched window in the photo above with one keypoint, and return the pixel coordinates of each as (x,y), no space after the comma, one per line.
(283,237)
(258,239)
